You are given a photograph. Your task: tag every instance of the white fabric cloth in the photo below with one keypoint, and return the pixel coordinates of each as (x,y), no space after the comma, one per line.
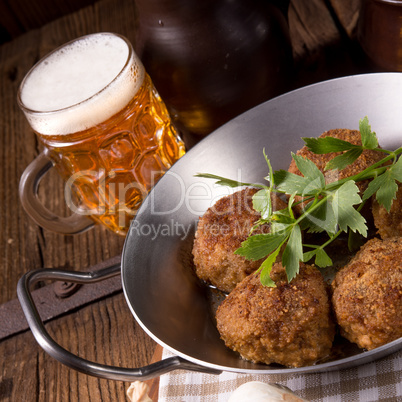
(372,382)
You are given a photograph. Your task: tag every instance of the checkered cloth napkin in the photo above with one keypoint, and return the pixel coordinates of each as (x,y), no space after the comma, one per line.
(377,381)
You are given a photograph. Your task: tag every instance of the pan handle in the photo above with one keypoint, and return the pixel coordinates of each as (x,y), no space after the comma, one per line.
(78,363)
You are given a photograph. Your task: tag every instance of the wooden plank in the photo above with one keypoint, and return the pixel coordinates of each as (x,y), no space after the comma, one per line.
(323,40)
(312,28)
(20,16)
(104,332)
(347,14)
(16,150)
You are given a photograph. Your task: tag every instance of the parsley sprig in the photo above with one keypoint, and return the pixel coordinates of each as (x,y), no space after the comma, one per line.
(331,208)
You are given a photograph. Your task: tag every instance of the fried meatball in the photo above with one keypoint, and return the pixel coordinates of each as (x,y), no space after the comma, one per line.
(289,324)
(389,224)
(366,159)
(220,231)
(367,294)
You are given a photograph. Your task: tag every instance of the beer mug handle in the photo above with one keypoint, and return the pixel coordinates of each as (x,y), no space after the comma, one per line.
(28,190)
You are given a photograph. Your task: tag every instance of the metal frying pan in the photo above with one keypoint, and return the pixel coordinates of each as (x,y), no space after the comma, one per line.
(161,290)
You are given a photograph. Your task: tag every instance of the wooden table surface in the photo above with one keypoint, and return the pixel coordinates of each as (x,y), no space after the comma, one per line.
(324,46)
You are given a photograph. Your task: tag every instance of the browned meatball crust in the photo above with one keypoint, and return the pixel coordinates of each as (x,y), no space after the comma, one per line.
(367,294)
(367,158)
(389,224)
(290,324)
(220,231)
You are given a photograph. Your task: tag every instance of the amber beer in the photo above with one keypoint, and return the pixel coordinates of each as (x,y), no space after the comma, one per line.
(101,121)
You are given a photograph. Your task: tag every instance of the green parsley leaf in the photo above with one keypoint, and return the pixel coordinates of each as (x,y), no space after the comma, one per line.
(222,181)
(373,186)
(260,245)
(344,198)
(320,219)
(369,138)
(307,256)
(396,169)
(290,205)
(310,171)
(387,191)
(281,221)
(345,159)
(262,202)
(322,259)
(266,268)
(326,145)
(289,182)
(385,186)
(270,177)
(293,253)
(310,183)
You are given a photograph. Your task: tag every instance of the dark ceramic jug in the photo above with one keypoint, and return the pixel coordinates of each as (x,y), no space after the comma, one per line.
(214,59)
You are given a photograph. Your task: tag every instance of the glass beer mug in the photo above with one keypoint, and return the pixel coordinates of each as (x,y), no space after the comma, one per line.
(103,126)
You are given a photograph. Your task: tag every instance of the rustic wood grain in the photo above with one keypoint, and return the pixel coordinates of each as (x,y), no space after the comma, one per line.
(323,40)
(20,16)
(323,46)
(105,332)
(347,16)
(310,33)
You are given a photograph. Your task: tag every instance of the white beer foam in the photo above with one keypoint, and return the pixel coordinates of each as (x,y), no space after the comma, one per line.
(81,84)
